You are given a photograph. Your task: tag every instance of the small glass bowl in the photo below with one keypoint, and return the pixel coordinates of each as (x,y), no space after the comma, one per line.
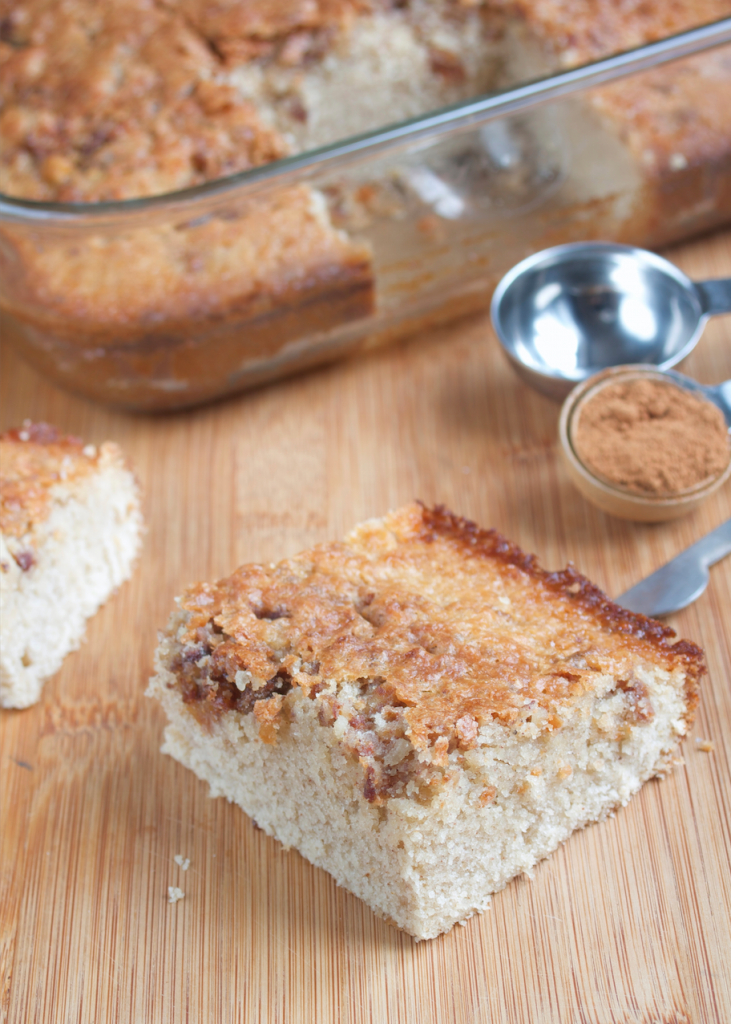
(610,498)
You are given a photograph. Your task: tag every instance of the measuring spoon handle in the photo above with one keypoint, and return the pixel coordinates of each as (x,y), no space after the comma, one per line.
(714,295)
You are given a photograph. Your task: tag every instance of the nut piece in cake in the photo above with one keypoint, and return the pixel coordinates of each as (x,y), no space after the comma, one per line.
(421,710)
(70,529)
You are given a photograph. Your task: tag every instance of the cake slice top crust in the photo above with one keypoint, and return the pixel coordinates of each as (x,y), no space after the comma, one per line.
(33,459)
(431,621)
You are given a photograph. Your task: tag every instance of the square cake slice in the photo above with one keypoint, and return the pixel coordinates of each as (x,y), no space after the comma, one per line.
(70,529)
(421,710)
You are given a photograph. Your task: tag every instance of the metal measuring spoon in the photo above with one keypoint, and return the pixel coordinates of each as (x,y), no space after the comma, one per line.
(566,313)
(683,579)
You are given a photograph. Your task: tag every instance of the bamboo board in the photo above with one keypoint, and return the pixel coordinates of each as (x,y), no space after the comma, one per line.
(628,923)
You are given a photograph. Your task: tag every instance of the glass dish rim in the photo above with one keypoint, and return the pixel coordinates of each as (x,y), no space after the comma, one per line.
(456,117)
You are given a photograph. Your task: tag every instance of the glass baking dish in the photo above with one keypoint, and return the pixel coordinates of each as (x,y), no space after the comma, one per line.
(169,301)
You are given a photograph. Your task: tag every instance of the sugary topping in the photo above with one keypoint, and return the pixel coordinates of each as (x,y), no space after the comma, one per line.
(33,459)
(436,626)
(116,100)
(287,29)
(583,30)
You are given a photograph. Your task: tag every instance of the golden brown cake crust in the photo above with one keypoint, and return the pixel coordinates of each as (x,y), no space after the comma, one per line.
(108,101)
(583,30)
(256,28)
(32,459)
(441,624)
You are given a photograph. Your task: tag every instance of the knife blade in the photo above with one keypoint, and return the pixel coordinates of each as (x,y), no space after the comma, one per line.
(683,579)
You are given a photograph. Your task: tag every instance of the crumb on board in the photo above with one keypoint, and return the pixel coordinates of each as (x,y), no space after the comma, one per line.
(705,745)
(181,861)
(174,894)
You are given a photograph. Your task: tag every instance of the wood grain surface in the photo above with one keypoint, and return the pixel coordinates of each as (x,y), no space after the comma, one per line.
(629,922)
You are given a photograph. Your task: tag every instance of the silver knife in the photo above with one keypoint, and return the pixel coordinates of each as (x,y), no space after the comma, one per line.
(682,580)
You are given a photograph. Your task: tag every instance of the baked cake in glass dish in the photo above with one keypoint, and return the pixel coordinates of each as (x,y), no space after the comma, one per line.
(195,296)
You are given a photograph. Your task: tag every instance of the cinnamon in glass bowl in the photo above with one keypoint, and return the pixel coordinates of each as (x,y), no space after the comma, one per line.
(643,447)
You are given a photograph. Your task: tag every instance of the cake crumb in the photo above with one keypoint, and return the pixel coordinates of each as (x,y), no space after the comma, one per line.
(705,745)
(174,894)
(678,162)
(487,796)
(182,862)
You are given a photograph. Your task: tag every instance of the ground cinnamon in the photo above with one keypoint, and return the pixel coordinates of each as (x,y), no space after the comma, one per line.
(651,437)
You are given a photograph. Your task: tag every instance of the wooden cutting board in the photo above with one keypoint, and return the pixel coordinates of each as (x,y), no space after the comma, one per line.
(629,922)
